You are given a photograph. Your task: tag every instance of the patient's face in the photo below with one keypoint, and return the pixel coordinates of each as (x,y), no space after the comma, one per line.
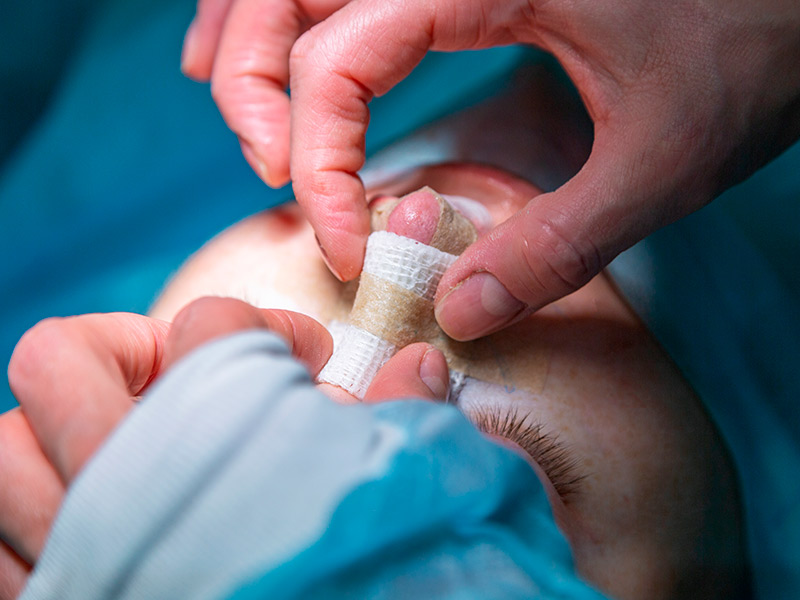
(637,477)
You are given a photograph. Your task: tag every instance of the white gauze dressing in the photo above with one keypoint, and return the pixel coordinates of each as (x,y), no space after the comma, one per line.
(402,263)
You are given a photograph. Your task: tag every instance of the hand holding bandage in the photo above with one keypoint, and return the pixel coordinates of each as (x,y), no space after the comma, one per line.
(686,100)
(416,239)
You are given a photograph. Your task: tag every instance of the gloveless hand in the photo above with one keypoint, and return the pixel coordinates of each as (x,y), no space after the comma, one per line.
(77,378)
(687,98)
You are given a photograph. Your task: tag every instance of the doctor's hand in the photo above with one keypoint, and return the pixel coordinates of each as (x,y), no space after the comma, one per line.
(687,98)
(74,379)
(77,378)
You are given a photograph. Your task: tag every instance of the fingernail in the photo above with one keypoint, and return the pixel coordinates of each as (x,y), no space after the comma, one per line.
(431,368)
(327,260)
(188,50)
(258,165)
(476,307)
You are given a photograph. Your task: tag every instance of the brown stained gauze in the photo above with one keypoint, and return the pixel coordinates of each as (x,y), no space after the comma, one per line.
(392,313)
(454,232)
(508,358)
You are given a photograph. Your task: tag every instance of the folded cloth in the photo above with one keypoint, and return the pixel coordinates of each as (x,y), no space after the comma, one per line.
(235,477)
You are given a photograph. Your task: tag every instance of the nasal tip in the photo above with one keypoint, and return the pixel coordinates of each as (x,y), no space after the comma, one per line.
(416,216)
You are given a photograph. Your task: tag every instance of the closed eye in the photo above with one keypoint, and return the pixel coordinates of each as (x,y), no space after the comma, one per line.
(553,456)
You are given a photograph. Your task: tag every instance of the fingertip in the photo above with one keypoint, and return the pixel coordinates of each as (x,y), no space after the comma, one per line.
(434,373)
(197,52)
(309,341)
(269,160)
(476,307)
(347,259)
(205,319)
(202,39)
(189,53)
(275,177)
(417,371)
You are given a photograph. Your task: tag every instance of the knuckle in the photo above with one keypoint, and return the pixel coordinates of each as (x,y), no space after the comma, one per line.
(558,260)
(317,193)
(303,47)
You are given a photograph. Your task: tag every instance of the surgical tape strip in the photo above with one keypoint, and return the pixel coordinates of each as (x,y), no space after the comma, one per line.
(393,307)
(357,357)
(350,352)
(407,263)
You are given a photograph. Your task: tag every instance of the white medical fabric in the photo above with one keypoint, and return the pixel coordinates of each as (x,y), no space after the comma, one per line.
(409,264)
(337,330)
(357,357)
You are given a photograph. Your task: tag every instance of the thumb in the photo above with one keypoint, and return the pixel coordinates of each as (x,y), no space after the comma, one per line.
(554,245)
(417,371)
(336,68)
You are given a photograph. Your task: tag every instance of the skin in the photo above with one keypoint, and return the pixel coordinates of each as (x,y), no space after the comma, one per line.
(76,378)
(686,99)
(656,513)
(658,491)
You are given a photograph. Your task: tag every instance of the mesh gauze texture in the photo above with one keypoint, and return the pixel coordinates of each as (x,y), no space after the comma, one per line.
(405,262)
(358,354)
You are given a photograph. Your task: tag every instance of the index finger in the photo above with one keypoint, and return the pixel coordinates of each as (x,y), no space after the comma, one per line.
(336,68)
(76,378)
(208,318)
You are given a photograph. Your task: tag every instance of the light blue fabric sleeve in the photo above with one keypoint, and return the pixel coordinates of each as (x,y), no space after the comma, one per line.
(235,477)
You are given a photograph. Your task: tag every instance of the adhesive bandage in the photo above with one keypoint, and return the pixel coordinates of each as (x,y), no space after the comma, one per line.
(393,308)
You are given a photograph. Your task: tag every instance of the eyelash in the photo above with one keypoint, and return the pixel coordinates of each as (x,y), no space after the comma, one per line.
(544,448)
